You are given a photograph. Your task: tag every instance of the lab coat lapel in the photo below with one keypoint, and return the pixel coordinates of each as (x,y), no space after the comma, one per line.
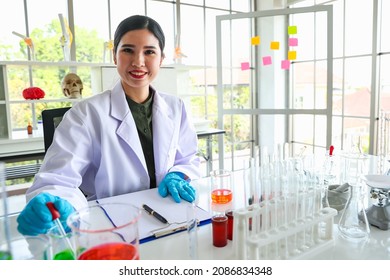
(127,129)
(163,131)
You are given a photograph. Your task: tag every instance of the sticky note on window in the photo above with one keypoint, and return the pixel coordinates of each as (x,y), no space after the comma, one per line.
(255,40)
(293,42)
(292,55)
(292,29)
(245,65)
(285,64)
(267,60)
(274,45)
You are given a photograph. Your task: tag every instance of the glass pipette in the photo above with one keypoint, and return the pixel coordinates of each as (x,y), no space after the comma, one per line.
(56,219)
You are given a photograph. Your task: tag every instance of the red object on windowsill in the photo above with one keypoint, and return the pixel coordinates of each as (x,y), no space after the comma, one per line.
(33,93)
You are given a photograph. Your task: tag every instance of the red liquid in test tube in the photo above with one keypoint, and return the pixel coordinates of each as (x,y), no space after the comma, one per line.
(230,221)
(219,224)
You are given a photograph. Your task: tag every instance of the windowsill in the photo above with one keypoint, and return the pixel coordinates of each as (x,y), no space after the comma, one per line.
(22,144)
(18,135)
(19,189)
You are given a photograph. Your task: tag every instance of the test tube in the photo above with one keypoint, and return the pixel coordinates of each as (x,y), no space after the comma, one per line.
(192,231)
(7,253)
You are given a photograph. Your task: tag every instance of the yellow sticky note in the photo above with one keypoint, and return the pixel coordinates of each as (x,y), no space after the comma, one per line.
(292,29)
(292,55)
(255,40)
(274,45)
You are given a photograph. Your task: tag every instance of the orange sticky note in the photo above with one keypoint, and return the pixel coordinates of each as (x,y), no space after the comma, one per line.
(255,40)
(292,29)
(286,64)
(245,65)
(292,55)
(267,60)
(274,45)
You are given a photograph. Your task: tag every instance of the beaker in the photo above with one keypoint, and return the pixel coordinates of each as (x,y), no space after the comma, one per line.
(106,231)
(62,245)
(221,186)
(24,247)
(353,224)
(220,230)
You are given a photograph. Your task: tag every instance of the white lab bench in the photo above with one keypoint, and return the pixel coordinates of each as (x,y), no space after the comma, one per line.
(176,246)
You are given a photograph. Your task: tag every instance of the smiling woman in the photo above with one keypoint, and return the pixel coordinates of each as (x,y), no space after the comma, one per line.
(146,134)
(138,58)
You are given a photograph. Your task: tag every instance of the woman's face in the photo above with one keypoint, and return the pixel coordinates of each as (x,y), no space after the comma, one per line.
(138,59)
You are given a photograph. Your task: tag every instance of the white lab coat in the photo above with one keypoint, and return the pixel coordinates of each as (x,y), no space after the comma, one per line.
(96,146)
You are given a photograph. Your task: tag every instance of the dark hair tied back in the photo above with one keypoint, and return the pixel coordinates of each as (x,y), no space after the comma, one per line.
(139,22)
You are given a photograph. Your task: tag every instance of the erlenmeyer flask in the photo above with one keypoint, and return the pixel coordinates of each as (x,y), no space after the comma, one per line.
(353,223)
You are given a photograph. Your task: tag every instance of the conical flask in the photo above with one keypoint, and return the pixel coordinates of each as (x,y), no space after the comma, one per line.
(353,224)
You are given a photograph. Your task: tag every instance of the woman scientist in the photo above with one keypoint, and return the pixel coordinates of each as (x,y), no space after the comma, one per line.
(127,139)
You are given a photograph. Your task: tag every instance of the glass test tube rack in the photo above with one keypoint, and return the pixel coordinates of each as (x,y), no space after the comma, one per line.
(298,239)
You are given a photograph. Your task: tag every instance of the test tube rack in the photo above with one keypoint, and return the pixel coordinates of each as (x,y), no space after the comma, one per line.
(298,239)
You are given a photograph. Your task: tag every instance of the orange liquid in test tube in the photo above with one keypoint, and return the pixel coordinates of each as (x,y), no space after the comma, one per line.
(221,196)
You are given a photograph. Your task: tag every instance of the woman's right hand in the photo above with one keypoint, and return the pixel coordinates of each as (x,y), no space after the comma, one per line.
(36,218)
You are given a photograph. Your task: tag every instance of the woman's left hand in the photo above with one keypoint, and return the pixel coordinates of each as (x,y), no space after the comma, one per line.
(175,185)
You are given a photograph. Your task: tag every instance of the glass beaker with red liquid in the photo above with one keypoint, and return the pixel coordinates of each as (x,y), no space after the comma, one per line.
(221,186)
(106,231)
(220,230)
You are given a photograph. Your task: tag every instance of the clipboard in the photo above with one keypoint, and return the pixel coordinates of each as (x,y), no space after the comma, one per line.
(150,228)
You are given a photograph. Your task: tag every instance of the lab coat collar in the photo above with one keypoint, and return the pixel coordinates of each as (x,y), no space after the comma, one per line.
(127,129)
(162,122)
(119,108)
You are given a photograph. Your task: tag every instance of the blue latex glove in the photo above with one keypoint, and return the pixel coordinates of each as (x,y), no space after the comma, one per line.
(175,185)
(36,218)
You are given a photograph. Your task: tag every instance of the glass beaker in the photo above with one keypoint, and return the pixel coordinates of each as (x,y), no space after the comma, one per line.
(62,245)
(106,231)
(220,230)
(221,186)
(24,247)
(353,223)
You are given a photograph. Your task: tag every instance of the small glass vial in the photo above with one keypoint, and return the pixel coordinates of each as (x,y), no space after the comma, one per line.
(29,129)
(40,128)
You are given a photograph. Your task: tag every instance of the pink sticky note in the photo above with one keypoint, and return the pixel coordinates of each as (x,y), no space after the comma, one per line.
(245,65)
(293,42)
(286,64)
(267,60)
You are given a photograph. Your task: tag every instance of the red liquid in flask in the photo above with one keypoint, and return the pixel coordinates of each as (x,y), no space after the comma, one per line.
(111,251)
